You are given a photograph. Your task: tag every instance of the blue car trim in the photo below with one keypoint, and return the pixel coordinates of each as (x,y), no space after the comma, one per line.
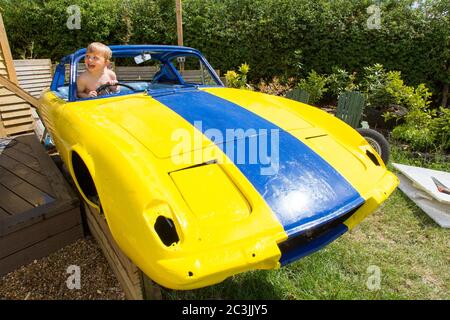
(313,246)
(305,190)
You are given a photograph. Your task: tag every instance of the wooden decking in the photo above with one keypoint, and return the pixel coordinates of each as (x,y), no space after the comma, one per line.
(39,213)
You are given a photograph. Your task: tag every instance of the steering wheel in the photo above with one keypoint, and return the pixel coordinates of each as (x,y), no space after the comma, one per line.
(105,87)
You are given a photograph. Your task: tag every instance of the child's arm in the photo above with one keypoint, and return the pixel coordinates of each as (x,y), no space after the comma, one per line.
(112,81)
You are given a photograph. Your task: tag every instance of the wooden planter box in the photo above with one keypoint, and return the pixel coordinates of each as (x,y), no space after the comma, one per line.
(39,213)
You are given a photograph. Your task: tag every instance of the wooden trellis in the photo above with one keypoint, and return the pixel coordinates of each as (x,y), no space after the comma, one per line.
(15,111)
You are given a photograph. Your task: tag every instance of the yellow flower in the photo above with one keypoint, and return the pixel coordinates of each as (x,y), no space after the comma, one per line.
(244,68)
(231,74)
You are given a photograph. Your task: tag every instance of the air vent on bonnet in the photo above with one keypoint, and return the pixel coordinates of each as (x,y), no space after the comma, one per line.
(372,157)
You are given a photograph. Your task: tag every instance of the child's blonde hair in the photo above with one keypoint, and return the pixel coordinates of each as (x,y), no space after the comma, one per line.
(98,46)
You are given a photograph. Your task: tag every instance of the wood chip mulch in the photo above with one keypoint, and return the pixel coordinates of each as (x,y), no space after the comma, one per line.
(46,278)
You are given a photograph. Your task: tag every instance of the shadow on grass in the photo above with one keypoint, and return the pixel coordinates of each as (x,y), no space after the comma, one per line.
(246,286)
(418,213)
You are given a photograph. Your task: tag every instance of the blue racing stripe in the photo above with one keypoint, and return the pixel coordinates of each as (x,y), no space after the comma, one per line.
(304,191)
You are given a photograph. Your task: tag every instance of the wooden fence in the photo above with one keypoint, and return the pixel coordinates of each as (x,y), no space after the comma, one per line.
(15,111)
(34,75)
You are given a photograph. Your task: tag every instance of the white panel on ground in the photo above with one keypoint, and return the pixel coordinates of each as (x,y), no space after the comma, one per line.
(430,181)
(438,211)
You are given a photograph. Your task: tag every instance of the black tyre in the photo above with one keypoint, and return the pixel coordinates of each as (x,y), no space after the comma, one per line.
(377,141)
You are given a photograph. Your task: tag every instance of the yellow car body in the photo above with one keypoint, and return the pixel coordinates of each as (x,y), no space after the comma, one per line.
(224,225)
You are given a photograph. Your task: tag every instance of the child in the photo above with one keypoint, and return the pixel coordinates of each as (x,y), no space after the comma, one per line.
(97,60)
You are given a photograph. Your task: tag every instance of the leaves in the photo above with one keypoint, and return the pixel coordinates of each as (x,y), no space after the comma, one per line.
(238,79)
(315,85)
(281,38)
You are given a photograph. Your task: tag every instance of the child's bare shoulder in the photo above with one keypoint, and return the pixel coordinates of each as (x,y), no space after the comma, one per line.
(111,74)
(83,77)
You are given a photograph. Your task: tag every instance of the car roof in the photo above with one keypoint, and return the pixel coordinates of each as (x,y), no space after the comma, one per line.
(128,50)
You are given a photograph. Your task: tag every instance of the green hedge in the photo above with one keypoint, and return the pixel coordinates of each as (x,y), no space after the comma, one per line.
(38,28)
(273,36)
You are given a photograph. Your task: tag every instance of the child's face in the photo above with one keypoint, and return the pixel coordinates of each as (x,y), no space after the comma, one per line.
(94,61)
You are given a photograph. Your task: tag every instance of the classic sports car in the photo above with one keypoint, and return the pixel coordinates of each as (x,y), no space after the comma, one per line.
(197,181)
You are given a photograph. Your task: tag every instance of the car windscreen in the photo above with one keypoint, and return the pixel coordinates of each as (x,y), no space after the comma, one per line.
(175,70)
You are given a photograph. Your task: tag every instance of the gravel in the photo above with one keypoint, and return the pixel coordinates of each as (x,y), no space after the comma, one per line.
(46,278)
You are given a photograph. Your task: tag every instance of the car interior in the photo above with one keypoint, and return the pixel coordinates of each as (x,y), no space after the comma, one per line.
(145,73)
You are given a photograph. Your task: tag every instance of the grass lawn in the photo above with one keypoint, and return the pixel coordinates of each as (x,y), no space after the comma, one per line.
(409,248)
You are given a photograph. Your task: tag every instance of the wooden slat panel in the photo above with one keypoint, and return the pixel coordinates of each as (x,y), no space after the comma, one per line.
(35,86)
(4,92)
(35,81)
(17,121)
(135,68)
(15,114)
(35,73)
(59,185)
(40,231)
(36,93)
(19,129)
(2,65)
(26,76)
(135,73)
(31,62)
(12,203)
(125,74)
(6,52)
(10,100)
(19,92)
(40,249)
(24,146)
(32,68)
(33,177)
(23,154)
(3,213)
(14,107)
(23,189)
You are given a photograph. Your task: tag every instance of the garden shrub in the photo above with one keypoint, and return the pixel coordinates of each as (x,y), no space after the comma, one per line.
(315,85)
(276,37)
(276,86)
(423,128)
(384,89)
(426,130)
(238,79)
(340,81)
